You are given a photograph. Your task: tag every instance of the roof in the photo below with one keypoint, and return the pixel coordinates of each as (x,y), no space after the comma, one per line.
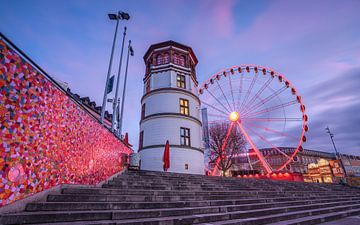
(170,43)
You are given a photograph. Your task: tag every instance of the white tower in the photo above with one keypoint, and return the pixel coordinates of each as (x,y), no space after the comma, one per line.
(171,110)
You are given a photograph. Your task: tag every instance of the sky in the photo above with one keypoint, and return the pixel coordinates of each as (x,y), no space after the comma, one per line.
(315,44)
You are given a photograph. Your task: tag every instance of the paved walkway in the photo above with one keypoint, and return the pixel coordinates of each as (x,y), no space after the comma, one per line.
(352,220)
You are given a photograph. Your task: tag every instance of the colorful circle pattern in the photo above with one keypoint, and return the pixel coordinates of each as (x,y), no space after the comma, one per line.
(47,139)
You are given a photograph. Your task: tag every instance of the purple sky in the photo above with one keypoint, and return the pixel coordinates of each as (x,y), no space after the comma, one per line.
(315,44)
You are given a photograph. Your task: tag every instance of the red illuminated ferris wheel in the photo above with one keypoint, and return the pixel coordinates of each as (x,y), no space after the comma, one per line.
(264,106)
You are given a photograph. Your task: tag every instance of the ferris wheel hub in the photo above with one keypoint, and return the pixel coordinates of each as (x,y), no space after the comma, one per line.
(234,116)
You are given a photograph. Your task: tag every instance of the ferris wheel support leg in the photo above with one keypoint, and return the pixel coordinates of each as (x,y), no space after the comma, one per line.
(222,149)
(258,153)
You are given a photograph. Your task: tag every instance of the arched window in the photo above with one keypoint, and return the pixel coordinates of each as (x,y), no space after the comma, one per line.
(159,59)
(176,59)
(166,58)
(182,61)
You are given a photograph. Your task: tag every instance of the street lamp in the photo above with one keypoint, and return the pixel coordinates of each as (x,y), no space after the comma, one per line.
(130,52)
(336,152)
(117,17)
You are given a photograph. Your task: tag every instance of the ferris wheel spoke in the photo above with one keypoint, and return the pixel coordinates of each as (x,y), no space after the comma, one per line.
(213,107)
(232,94)
(222,147)
(257,95)
(265,100)
(226,109)
(272,119)
(270,109)
(248,91)
(240,91)
(271,130)
(267,142)
(224,95)
(258,153)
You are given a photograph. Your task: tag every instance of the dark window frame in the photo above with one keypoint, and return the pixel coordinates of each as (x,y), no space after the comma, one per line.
(147,86)
(141,139)
(184,108)
(185,137)
(181,81)
(143,111)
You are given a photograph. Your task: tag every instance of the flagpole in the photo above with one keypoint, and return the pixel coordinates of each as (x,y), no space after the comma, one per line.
(117,84)
(108,74)
(130,52)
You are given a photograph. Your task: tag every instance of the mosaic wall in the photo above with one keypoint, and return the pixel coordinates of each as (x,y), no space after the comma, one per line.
(46,138)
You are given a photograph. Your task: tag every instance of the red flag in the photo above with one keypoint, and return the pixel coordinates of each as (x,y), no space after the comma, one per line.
(166,157)
(126,140)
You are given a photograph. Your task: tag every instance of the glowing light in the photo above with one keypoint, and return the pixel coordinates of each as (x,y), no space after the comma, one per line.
(234,116)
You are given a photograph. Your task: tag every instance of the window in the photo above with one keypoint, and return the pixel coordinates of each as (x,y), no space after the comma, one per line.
(166,58)
(186,166)
(185,136)
(141,140)
(159,59)
(162,59)
(148,85)
(180,81)
(176,59)
(184,106)
(143,111)
(182,61)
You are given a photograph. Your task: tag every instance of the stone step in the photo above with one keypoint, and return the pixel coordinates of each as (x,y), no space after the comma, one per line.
(283,185)
(246,203)
(152,198)
(330,213)
(160,192)
(165,184)
(171,187)
(180,192)
(148,197)
(322,218)
(223,218)
(236,212)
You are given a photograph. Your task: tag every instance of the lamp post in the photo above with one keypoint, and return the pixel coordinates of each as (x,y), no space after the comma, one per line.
(117,17)
(336,152)
(130,52)
(117,84)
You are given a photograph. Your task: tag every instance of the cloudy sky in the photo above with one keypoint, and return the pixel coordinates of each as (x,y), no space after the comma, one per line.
(315,44)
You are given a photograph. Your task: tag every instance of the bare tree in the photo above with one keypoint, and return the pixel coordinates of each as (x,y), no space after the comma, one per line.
(224,152)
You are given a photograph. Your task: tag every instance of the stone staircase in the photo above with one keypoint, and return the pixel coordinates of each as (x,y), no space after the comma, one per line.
(146,197)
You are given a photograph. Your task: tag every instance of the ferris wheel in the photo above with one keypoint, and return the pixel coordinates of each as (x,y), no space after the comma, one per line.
(264,106)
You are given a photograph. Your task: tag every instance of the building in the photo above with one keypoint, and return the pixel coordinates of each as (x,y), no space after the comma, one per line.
(275,159)
(170,110)
(90,106)
(351,164)
(316,166)
(324,171)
